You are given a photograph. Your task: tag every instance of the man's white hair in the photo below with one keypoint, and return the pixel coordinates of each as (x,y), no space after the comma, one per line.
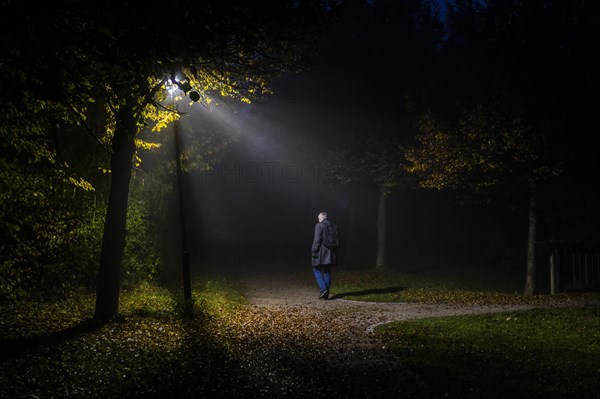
(322,215)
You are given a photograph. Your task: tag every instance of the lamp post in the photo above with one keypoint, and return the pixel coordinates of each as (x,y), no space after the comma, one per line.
(185,255)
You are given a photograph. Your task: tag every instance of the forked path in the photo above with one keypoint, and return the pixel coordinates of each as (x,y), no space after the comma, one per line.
(313,347)
(281,293)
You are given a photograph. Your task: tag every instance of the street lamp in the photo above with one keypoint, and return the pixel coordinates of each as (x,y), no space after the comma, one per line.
(185,255)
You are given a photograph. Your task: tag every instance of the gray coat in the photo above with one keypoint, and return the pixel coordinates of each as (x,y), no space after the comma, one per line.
(321,255)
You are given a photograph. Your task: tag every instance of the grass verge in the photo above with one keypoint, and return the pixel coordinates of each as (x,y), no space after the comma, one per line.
(157,348)
(392,286)
(539,353)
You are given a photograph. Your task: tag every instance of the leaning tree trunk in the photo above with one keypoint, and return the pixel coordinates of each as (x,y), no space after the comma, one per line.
(530,278)
(113,240)
(380,264)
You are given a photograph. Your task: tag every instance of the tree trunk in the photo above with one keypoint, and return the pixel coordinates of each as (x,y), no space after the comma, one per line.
(530,278)
(350,228)
(185,256)
(380,264)
(113,240)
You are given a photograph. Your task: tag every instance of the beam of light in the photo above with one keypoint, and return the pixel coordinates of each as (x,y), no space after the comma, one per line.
(172,88)
(175,93)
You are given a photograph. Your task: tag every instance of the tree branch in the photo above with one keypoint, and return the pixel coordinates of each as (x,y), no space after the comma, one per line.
(88,128)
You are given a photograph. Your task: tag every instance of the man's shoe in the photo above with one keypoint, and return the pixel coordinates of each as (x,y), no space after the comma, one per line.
(324,295)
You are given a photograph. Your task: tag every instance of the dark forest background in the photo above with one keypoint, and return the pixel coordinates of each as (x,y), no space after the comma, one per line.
(451,115)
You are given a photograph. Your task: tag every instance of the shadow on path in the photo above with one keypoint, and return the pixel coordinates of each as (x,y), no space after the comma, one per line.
(11,347)
(374,291)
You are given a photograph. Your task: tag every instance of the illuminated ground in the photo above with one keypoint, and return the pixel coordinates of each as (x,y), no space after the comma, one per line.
(301,343)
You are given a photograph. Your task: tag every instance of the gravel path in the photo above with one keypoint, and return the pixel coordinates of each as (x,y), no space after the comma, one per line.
(296,345)
(282,293)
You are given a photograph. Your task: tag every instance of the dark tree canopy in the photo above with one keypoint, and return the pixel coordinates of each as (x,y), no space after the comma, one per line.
(122,56)
(511,102)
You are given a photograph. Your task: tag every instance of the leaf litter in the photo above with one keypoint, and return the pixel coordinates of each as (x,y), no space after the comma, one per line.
(280,341)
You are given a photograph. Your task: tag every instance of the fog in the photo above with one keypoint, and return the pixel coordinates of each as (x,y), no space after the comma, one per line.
(256,208)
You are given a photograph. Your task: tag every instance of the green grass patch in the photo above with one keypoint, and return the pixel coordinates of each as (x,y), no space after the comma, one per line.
(156,348)
(540,353)
(159,347)
(392,286)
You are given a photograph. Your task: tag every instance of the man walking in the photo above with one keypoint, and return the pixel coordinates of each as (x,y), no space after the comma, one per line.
(324,253)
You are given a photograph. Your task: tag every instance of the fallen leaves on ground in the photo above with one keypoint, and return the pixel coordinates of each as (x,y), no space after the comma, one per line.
(225,348)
